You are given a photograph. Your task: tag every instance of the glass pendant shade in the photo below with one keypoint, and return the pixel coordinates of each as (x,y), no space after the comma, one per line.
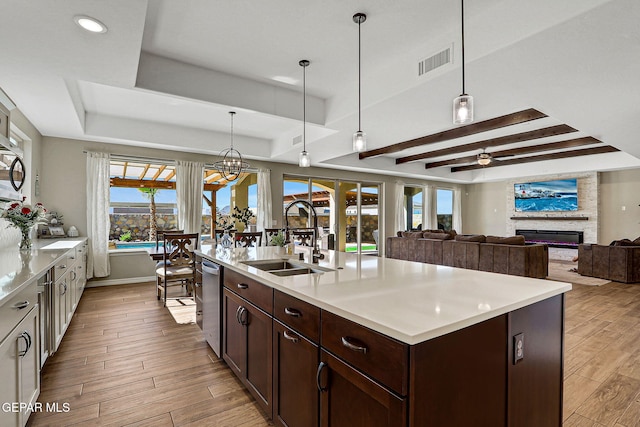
(305,160)
(359,142)
(463,109)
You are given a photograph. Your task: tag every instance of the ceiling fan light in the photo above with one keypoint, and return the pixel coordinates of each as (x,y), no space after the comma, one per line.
(359,142)
(463,109)
(484,159)
(304,161)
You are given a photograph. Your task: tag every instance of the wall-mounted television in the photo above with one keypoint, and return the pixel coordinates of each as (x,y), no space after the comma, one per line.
(547,196)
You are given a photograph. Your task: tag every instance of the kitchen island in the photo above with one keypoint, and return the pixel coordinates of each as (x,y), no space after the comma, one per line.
(391,342)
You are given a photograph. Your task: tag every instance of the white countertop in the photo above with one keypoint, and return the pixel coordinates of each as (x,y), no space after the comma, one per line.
(20,268)
(409,301)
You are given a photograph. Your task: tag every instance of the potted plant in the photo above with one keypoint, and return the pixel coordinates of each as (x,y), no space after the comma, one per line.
(278,239)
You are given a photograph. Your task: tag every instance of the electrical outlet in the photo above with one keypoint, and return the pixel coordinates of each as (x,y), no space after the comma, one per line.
(518,348)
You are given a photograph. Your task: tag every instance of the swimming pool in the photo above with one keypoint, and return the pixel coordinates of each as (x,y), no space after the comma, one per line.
(136,245)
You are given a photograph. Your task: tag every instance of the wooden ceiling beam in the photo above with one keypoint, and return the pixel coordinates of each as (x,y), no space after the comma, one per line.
(571,143)
(139,183)
(124,169)
(459,132)
(493,142)
(144,171)
(160,170)
(171,175)
(540,158)
(168,185)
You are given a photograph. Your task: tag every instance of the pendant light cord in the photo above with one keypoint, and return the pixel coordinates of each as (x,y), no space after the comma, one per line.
(462,21)
(359,79)
(304,108)
(232,114)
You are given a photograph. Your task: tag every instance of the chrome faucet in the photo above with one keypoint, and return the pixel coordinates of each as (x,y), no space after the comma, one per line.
(315,253)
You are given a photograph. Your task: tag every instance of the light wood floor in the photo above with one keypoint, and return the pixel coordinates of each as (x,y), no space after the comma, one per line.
(125,361)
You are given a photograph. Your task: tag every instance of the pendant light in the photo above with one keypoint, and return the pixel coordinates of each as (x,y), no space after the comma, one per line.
(231,166)
(463,104)
(305,160)
(359,138)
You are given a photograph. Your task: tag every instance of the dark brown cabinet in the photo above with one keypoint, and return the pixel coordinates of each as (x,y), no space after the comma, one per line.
(349,398)
(309,367)
(295,363)
(247,346)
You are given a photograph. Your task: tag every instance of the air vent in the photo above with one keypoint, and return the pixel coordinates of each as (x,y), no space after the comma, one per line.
(434,61)
(297,140)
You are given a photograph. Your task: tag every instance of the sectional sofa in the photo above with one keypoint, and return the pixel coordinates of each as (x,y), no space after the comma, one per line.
(506,255)
(619,261)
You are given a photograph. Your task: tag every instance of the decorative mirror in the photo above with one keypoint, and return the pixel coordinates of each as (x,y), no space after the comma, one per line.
(17,174)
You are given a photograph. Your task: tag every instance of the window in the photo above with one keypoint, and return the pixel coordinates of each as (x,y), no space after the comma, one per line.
(140,191)
(444,208)
(227,196)
(414,206)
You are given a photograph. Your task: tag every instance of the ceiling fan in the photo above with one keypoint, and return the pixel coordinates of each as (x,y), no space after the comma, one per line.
(484,158)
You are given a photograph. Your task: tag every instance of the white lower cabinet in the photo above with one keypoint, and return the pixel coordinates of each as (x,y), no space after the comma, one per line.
(20,371)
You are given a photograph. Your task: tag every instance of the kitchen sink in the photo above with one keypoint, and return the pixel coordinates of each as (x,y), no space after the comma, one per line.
(282,268)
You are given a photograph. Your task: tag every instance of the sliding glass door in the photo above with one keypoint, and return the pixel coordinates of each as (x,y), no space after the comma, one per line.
(348,214)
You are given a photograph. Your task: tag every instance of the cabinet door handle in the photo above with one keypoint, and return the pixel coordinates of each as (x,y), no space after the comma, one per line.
(27,344)
(21,305)
(65,289)
(292,312)
(243,286)
(61,266)
(28,340)
(318,375)
(238,314)
(244,321)
(353,347)
(294,339)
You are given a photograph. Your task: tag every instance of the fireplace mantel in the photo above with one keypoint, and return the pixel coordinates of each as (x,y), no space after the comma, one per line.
(552,218)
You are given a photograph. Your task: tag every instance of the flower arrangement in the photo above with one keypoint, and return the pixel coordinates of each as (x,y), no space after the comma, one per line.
(243,215)
(224,223)
(24,217)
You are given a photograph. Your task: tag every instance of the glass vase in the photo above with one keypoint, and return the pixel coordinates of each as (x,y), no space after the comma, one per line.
(25,242)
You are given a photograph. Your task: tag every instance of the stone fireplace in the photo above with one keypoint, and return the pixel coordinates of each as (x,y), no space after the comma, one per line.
(553,238)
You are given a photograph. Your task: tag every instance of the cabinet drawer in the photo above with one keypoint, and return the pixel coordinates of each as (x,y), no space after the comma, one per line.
(254,292)
(62,267)
(297,314)
(379,356)
(14,310)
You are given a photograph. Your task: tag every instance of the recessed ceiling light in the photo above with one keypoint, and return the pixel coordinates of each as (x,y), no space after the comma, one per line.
(90,24)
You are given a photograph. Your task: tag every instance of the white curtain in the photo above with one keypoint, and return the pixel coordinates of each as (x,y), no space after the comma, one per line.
(431,196)
(457,210)
(98,214)
(264,216)
(426,208)
(400,223)
(189,186)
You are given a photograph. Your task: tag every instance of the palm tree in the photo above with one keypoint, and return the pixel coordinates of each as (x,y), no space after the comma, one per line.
(150,193)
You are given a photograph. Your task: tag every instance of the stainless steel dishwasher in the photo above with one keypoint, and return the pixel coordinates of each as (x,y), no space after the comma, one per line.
(211,300)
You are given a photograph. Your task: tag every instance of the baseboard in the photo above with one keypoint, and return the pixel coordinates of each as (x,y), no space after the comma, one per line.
(127,281)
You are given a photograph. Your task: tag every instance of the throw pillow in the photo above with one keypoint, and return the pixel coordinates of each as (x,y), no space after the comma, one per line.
(471,238)
(438,236)
(512,240)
